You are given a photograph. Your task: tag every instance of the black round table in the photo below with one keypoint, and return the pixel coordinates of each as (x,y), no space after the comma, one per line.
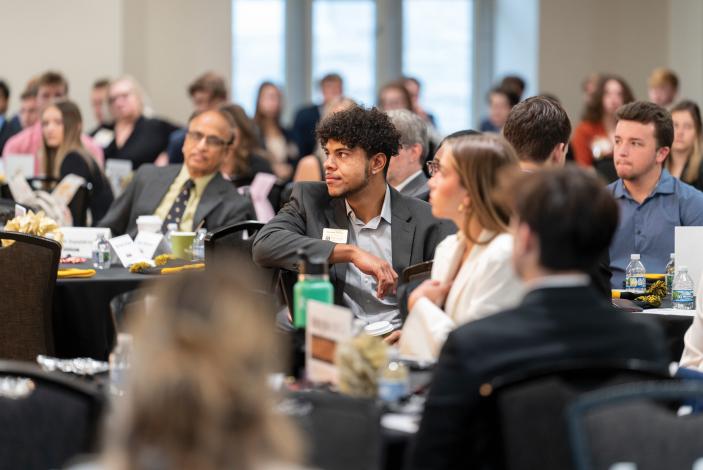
(83,322)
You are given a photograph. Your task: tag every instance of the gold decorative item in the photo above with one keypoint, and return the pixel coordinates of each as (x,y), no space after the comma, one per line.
(34,224)
(359,361)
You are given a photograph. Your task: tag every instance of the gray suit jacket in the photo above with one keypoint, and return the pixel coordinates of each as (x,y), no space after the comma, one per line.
(414,231)
(417,187)
(220,204)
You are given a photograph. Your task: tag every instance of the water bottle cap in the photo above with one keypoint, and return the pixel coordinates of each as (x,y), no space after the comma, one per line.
(635,256)
(311,265)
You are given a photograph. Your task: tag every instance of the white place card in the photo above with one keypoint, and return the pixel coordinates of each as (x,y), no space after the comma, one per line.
(19,163)
(687,243)
(149,243)
(327,326)
(78,241)
(127,251)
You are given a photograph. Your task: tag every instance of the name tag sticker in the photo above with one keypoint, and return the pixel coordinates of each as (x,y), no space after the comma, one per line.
(336,235)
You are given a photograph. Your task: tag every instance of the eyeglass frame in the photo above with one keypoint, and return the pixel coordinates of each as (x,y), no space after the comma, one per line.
(211,141)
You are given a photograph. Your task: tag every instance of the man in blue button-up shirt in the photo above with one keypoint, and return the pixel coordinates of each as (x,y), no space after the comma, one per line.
(652,202)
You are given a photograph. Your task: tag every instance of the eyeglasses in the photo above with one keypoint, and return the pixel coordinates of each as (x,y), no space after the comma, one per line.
(211,141)
(433,167)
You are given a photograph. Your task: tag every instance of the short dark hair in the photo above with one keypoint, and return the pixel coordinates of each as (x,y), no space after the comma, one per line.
(369,129)
(535,126)
(573,215)
(515,83)
(331,77)
(52,78)
(645,112)
(510,94)
(461,133)
(101,83)
(4,89)
(211,83)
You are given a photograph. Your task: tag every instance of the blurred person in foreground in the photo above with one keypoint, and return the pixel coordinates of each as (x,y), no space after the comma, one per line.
(539,129)
(560,318)
(198,395)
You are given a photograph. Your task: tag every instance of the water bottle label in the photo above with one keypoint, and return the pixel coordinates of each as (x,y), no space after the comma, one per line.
(683,296)
(636,283)
(392,390)
(669,282)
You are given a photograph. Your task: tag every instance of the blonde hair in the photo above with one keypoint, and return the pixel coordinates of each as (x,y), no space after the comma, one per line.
(693,164)
(199,395)
(72,126)
(479,160)
(144,108)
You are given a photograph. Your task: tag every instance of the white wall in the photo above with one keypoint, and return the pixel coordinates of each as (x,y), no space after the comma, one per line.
(81,38)
(516,48)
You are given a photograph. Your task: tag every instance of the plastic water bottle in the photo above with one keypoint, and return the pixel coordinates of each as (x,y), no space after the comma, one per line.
(682,290)
(199,245)
(102,254)
(393,380)
(670,273)
(635,281)
(120,361)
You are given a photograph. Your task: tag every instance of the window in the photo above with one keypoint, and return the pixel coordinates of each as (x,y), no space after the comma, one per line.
(343,41)
(258,35)
(430,26)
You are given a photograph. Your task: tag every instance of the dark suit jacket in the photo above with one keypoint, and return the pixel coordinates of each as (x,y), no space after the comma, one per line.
(303,131)
(417,187)
(414,231)
(220,204)
(550,325)
(9,128)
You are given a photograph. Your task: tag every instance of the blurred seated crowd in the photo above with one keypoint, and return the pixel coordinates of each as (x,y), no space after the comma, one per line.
(529,222)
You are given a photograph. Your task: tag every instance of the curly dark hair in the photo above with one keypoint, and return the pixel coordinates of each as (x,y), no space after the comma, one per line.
(369,129)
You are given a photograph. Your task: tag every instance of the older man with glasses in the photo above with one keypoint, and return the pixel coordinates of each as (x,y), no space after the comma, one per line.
(193,195)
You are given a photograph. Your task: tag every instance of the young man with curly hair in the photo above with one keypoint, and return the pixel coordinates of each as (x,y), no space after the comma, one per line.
(368,231)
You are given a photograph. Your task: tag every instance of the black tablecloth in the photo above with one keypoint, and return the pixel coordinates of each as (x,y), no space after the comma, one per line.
(83,323)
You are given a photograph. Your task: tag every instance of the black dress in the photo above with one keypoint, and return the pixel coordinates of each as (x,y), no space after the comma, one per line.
(148,139)
(100,196)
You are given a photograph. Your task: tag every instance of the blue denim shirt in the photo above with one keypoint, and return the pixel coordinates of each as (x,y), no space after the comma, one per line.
(648,228)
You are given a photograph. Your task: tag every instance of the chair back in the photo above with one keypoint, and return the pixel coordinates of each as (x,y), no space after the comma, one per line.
(637,423)
(344,433)
(28,270)
(530,406)
(237,237)
(56,422)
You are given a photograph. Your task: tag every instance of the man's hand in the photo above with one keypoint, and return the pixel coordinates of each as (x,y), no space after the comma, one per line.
(392,338)
(431,289)
(380,269)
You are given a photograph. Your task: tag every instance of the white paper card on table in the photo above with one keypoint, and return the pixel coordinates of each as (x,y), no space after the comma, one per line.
(78,241)
(126,250)
(327,326)
(19,163)
(687,243)
(148,243)
(117,171)
(20,211)
(67,188)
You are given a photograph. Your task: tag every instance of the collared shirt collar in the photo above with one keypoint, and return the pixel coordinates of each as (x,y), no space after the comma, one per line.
(200,183)
(664,186)
(558,280)
(386,213)
(404,183)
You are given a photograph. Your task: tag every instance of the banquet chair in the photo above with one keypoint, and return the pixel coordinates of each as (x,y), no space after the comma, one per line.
(344,433)
(55,422)
(29,267)
(529,406)
(637,423)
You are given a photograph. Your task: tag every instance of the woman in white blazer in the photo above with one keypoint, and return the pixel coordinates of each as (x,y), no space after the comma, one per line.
(472,274)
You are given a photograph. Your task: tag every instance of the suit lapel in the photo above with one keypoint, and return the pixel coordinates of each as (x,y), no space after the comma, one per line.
(336,217)
(210,199)
(402,233)
(156,189)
